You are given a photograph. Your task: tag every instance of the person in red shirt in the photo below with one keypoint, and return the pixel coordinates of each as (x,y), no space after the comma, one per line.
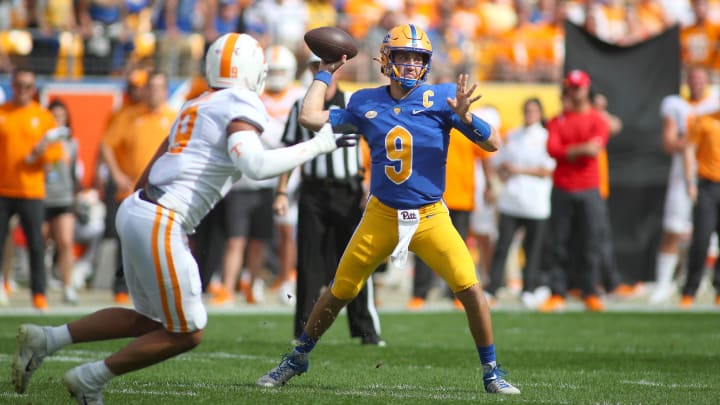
(575,139)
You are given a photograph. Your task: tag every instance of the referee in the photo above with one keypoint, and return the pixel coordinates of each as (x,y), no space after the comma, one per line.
(329,208)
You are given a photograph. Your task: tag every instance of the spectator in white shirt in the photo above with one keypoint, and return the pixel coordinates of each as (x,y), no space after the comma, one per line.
(525,167)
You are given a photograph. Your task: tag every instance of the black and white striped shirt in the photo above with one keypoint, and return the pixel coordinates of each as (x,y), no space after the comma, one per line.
(342,165)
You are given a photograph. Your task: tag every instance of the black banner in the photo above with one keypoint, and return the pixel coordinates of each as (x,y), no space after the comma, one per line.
(634,79)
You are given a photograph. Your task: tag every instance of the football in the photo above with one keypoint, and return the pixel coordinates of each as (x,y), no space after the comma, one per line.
(331,43)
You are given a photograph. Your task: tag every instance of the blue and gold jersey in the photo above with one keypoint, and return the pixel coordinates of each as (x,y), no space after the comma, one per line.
(408,141)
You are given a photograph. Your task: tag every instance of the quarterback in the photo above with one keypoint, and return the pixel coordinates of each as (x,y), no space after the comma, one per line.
(407,126)
(212,142)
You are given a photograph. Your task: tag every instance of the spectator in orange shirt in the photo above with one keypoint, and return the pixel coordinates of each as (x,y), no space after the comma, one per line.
(519,48)
(124,151)
(698,42)
(135,144)
(135,96)
(25,146)
(551,45)
(651,19)
(702,179)
(361,15)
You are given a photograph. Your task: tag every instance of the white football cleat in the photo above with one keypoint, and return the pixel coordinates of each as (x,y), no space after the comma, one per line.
(32,349)
(83,394)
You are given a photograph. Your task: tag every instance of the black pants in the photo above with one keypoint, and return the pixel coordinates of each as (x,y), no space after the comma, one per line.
(111,208)
(423,278)
(327,217)
(32,214)
(208,243)
(508,226)
(705,221)
(576,216)
(610,275)
(119,285)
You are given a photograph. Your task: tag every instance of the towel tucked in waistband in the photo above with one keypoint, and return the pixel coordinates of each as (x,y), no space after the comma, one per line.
(408,221)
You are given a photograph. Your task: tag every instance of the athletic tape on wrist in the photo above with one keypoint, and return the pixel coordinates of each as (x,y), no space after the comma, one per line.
(324,76)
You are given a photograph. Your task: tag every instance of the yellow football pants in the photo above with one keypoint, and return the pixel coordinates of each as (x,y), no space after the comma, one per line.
(436,242)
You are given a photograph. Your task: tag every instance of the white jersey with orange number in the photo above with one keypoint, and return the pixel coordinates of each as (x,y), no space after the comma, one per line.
(196,172)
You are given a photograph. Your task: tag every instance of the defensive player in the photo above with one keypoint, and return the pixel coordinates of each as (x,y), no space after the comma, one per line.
(407,126)
(677,217)
(248,221)
(212,142)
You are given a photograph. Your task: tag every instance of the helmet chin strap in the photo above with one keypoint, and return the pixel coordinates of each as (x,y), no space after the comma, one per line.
(407,84)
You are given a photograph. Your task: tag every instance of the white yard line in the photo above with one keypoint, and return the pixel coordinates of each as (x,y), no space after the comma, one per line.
(664,385)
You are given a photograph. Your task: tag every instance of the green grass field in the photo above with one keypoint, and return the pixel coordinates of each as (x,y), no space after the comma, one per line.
(571,358)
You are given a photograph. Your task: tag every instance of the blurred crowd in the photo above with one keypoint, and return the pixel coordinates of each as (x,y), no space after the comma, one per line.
(513,40)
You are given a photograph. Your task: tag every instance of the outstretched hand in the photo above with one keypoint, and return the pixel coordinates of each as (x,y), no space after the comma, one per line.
(328,141)
(347,135)
(463,98)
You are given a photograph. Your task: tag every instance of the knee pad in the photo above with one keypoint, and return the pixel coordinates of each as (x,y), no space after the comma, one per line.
(345,289)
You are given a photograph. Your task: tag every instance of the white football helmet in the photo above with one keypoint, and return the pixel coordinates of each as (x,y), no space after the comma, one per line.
(282,67)
(236,60)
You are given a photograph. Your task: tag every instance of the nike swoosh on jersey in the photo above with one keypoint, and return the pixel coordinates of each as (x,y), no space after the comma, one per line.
(415,112)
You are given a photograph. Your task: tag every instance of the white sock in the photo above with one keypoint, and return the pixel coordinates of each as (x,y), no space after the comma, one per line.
(57,338)
(94,375)
(665,268)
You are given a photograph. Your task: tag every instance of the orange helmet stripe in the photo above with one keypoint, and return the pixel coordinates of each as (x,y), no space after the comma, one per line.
(227,53)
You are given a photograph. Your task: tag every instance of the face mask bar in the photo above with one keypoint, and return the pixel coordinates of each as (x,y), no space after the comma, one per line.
(399,70)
